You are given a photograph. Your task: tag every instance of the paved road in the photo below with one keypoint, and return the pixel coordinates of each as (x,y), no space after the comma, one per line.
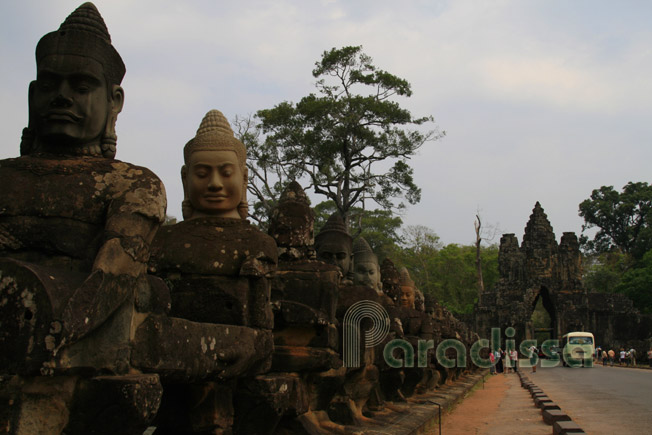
(602,400)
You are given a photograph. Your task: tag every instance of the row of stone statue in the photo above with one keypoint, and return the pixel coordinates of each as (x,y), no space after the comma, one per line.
(110,323)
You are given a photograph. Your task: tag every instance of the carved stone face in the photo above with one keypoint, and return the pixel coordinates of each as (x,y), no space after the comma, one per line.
(214,183)
(407,296)
(334,251)
(367,273)
(69,100)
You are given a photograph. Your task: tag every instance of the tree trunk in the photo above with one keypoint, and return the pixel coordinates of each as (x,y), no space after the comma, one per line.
(478,259)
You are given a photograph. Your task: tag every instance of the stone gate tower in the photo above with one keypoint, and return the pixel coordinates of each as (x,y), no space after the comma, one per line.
(538,268)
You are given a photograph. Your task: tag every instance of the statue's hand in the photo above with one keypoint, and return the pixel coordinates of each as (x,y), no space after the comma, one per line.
(93,302)
(237,360)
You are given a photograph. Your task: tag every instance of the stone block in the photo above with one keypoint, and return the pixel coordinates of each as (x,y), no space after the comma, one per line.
(539,399)
(566,427)
(548,405)
(550,416)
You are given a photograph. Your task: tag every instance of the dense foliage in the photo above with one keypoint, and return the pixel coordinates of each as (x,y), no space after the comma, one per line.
(623,219)
(334,140)
(619,258)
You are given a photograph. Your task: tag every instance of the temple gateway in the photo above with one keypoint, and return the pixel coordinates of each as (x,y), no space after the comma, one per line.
(542,271)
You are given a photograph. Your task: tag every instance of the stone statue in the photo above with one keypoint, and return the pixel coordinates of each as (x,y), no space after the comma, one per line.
(291,224)
(366,270)
(334,245)
(75,226)
(416,326)
(66,203)
(216,266)
(408,295)
(419,300)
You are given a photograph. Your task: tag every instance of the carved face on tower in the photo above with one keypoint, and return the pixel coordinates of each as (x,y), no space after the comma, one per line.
(334,244)
(76,97)
(214,175)
(366,270)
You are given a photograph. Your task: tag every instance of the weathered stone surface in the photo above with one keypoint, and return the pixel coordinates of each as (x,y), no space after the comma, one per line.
(178,349)
(309,282)
(228,247)
(36,404)
(268,398)
(115,404)
(391,280)
(31,298)
(292,224)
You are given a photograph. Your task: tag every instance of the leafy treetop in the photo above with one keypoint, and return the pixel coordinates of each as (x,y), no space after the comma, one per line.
(624,219)
(336,138)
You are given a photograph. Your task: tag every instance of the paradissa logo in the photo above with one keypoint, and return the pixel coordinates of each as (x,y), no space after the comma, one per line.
(400,353)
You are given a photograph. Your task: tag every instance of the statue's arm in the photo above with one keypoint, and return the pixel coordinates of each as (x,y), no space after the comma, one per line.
(121,262)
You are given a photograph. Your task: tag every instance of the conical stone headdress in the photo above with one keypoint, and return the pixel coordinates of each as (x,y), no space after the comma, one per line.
(84,33)
(334,226)
(362,251)
(215,134)
(405,278)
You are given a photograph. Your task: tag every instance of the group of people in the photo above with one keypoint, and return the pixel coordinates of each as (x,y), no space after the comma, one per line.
(625,357)
(503,361)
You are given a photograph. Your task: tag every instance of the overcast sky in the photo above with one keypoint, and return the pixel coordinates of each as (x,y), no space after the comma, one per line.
(540,100)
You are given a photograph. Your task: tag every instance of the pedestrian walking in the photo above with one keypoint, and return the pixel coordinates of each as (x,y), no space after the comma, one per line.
(514,355)
(632,356)
(604,358)
(649,357)
(533,358)
(612,357)
(492,360)
(622,356)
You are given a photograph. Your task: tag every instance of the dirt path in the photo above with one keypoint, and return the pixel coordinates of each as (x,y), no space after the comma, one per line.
(502,407)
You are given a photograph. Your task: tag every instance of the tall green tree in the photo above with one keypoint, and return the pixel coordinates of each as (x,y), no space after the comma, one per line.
(336,138)
(623,219)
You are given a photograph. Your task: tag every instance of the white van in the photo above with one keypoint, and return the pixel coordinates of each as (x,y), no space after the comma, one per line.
(578,349)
